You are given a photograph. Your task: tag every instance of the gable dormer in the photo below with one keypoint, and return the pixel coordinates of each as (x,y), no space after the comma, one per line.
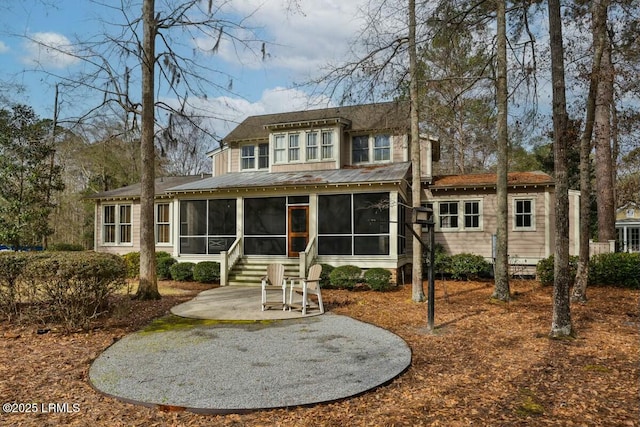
(330,138)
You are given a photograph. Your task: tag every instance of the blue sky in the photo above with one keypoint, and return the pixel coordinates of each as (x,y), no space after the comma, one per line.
(299,43)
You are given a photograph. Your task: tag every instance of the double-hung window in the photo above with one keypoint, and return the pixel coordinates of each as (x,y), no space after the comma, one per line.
(327,145)
(471,214)
(523,217)
(163,223)
(448,214)
(280,149)
(294,147)
(248,156)
(312,146)
(248,159)
(360,149)
(381,148)
(116,224)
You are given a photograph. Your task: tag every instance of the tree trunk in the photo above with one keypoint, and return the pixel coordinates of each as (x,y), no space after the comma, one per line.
(417,290)
(604,162)
(148,286)
(561,322)
(599,16)
(501,290)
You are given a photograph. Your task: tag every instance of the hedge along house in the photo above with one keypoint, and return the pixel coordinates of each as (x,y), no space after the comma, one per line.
(328,186)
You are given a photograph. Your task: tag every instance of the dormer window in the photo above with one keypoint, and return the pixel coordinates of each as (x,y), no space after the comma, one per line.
(304,146)
(367,147)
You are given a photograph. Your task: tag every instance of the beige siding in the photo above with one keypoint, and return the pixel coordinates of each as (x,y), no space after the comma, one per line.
(400,148)
(235,159)
(221,162)
(525,247)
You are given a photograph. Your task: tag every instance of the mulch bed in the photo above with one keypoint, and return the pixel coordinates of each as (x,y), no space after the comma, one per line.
(487,364)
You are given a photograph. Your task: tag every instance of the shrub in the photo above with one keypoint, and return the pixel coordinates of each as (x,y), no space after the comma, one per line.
(325,280)
(442,261)
(12,291)
(378,279)
(345,276)
(65,247)
(206,272)
(132,261)
(182,271)
(161,254)
(618,269)
(544,270)
(75,287)
(163,266)
(468,267)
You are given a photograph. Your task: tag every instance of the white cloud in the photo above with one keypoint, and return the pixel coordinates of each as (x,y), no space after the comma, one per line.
(3,47)
(49,50)
(299,41)
(227,112)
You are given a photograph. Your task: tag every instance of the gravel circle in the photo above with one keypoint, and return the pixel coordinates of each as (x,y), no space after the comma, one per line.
(227,367)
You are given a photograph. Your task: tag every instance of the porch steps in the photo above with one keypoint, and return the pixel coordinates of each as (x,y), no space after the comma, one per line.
(249,271)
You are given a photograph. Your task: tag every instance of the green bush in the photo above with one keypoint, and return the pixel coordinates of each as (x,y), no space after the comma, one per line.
(442,261)
(132,261)
(468,267)
(378,279)
(325,280)
(345,276)
(12,289)
(163,266)
(544,270)
(617,269)
(65,247)
(161,254)
(182,271)
(206,272)
(75,286)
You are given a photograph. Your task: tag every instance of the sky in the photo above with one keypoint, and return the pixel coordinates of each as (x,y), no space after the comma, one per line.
(299,42)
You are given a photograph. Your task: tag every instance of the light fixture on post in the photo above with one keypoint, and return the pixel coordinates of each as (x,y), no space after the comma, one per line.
(424,216)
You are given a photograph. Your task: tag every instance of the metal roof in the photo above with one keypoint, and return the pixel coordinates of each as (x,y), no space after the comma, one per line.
(133,191)
(490,179)
(388,173)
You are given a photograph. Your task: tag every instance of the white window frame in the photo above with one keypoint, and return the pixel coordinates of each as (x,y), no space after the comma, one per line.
(532,213)
(118,225)
(280,148)
(382,148)
(166,223)
(254,158)
(312,146)
(293,146)
(250,158)
(327,146)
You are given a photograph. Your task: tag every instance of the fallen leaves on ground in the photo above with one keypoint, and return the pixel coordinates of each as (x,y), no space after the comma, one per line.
(487,363)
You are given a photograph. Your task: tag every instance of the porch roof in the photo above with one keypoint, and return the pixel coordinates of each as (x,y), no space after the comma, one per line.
(133,191)
(389,173)
(489,180)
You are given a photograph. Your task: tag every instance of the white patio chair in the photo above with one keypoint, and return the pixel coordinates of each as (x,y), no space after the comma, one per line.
(274,281)
(306,286)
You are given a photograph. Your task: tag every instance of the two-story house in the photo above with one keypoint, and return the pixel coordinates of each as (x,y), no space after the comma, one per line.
(329,185)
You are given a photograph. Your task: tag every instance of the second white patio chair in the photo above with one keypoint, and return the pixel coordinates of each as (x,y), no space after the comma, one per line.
(274,282)
(309,285)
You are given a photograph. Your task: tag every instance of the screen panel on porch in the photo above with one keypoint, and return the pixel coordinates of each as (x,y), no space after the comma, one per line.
(207,226)
(265,226)
(353,224)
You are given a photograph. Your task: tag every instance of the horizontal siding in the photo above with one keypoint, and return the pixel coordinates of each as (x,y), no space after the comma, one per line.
(298,167)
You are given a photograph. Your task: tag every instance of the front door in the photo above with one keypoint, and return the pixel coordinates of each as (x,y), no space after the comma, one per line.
(298,234)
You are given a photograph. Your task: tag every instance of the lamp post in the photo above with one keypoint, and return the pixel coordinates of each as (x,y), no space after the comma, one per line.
(424,216)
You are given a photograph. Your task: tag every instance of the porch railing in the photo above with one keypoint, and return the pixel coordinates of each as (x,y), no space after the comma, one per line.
(308,256)
(228,259)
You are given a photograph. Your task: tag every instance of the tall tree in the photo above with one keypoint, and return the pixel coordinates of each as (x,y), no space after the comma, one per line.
(501,289)
(599,16)
(561,321)
(417,288)
(603,137)
(26,177)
